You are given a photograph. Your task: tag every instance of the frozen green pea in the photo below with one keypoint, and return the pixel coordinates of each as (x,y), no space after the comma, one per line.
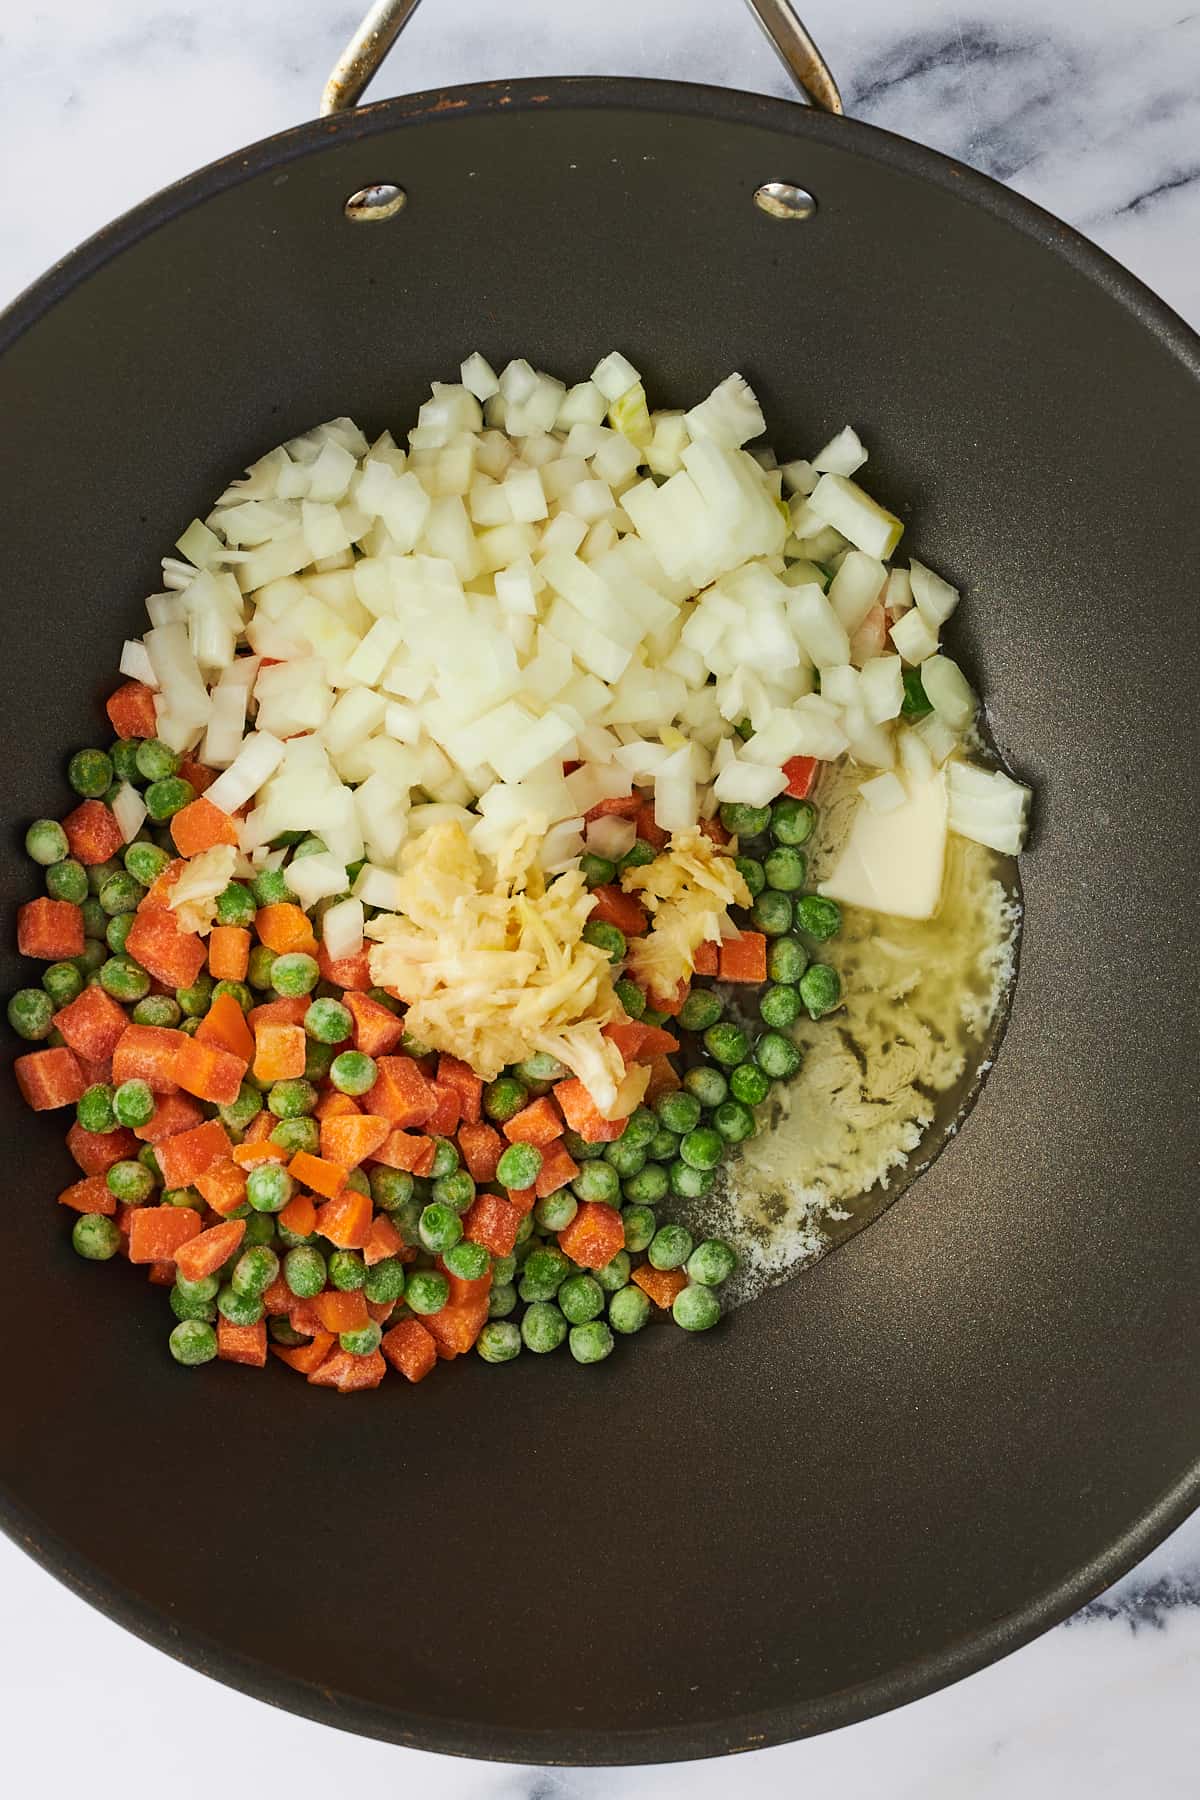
(94,1108)
(117,930)
(701,1009)
(702,1148)
(555,1211)
(145,862)
(580,1298)
(696,1308)
(671,1247)
(239,1309)
(156,760)
(193,1342)
(195,1001)
(165,798)
(237,990)
(427,1291)
(606,937)
(292,1099)
(743,821)
(258,970)
(640,1224)
(792,820)
(820,990)
(269,1188)
(735,1121)
(776,1055)
(124,979)
(787,960)
(817,917)
(631,997)
(254,1271)
(648,1186)
(31,1014)
(385,1280)
(304,1271)
(99,873)
(615,1272)
(628,1310)
(780,1006)
(543,1328)
(294,974)
(502,1299)
(709,1085)
(190,1306)
(90,773)
(786,869)
(46,842)
(688,1182)
(519,1166)
(67,881)
(347,1271)
(133,1104)
(498,1342)
(95,1237)
(727,1043)
(772,913)
(329,1022)
(63,982)
(591,1343)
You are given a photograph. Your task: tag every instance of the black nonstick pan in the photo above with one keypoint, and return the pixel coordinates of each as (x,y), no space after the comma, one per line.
(975,1414)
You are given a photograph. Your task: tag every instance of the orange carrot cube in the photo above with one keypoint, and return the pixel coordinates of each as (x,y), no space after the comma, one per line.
(93,833)
(661,1285)
(326,1178)
(50,930)
(558,1167)
(594,1235)
(208,1072)
(202,826)
(341,1311)
(205,1254)
(92,1195)
(460,1075)
(383,1240)
(538,1123)
(744,958)
(131,711)
(299,1215)
(579,1110)
(346,1220)
(284,927)
(172,956)
(279,1052)
(242,1343)
(348,1374)
(174,1113)
(92,1024)
(493,1222)
(410,1349)
(223,1185)
(228,952)
(376,1029)
(224,1024)
(401,1093)
(156,1232)
(482,1147)
(187,1154)
(406,1150)
(49,1078)
(347,972)
(348,1139)
(306,1357)
(147,1053)
(97,1151)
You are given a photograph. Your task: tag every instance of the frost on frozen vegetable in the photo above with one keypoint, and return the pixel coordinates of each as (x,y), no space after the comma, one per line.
(438,914)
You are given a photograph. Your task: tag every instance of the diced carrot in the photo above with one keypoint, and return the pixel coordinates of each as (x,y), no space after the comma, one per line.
(326,1178)
(147,1053)
(278,1299)
(198,773)
(661,1285)
(96,1071)
(705,960)
(457,1326)
(279,1052)
(443,1120)
(579,1110)
(410,1349)
(299,1215)
(383,1240)
(201,826)
(538,1123)
(260,1128)
(187,1154)
(49,1078)
(131,711)
(158,894)
(594,1235)
(744,958)
(715,832)
(801,772)
(636,1041)
(333,1105)
(228,952)
(617,806)
(406,1150)
(175,957)
(349,1139)
(349,1374)
(670,1003)
(205,1254)
(351,973)
(277,1012)
(664,1079)
(223,1185)
(224,1024)
(93,833)
(253,1156)
(461,1289)
(92,1195)
(156,1232)
(381,1310)
(303,1318)
(242,1343)
(161,1274)
(208,1072)
(462,1077)
(612,906)
(346,1220)
(491,1221)
(306,1357)
(173,1113)
(376,1029)
(522,1200)
(401,1092)
(92,1024)
(97,1151)
(648,829)
(284,927)
(482,1147)
(341,1311)
(50,930)
(558,1167)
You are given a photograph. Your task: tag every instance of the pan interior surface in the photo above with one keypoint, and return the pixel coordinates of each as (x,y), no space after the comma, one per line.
(972,1415)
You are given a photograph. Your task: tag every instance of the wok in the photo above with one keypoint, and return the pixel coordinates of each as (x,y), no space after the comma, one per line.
(976,1413)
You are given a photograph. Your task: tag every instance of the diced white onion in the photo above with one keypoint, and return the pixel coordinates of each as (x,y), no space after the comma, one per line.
(342,929)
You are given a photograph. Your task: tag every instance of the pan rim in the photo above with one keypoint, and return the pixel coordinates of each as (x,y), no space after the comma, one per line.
(979,1647)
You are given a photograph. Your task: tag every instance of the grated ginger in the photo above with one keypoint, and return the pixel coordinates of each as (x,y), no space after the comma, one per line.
(687,891)
(193,897)
(491,963)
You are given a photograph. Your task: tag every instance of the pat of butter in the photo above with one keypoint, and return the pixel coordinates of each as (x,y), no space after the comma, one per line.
(893,861)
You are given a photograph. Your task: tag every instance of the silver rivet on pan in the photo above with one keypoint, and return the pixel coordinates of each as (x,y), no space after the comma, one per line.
(371,204)
(783,200)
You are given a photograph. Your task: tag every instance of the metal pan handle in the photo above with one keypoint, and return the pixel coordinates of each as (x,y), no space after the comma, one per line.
(360,61)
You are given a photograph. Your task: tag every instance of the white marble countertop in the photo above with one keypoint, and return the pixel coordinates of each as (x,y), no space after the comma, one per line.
(1093,109)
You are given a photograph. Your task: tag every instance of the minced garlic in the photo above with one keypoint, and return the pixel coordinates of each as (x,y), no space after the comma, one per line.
(491,963)
(193,897)
(687,891)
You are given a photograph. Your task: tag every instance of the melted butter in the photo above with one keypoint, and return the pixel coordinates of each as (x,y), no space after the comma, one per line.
(886,1078)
